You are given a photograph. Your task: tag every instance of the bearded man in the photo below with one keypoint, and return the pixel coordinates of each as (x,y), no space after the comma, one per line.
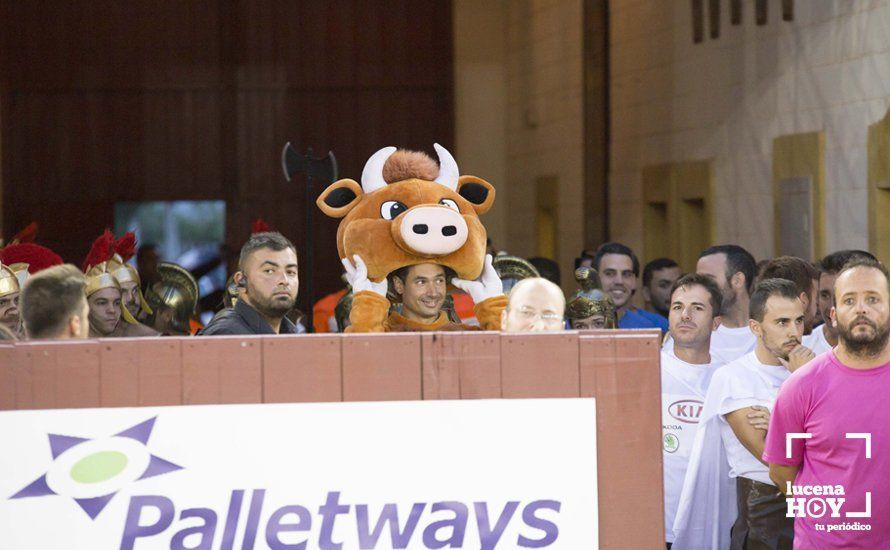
(268,280)
(830,422)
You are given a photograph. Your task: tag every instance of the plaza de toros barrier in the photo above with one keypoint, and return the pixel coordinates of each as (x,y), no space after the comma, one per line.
(619,368)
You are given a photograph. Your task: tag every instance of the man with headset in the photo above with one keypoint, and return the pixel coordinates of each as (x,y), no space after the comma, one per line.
(268,283)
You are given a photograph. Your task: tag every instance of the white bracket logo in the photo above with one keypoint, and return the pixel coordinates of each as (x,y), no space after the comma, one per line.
(866,437)
(790,437)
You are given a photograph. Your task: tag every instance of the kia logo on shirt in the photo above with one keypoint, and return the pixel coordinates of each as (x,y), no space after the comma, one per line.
(687,410)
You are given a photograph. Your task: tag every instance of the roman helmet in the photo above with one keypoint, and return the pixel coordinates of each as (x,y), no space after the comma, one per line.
(512,269)
(124,250)
(9,282)
(590,300)
(178,291)
(97,269)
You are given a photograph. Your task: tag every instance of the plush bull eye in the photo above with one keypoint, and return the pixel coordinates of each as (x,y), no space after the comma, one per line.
(450,204)
(391,209)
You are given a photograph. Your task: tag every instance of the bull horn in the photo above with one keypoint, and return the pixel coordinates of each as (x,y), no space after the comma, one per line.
(448,172)
(372,175)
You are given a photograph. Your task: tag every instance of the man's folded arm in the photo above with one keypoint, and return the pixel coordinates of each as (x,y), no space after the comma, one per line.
(782,475)
(749,436)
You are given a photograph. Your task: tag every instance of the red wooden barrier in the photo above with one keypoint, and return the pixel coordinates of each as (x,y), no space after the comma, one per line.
(381,367)
(56,375)
(461,365)
(302,369)
(9,360)
(540,365)
(622,372)
(140,372)
(619,368)
(222,369)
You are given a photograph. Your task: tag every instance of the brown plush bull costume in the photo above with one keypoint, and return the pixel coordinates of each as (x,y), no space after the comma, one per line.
(407,212)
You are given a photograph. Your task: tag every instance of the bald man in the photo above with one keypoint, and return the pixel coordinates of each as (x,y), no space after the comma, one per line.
(536,305)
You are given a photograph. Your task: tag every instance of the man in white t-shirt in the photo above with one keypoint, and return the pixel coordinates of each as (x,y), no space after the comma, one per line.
(731,433)
(686,371)
(824,337)
(805,278)
(733,269)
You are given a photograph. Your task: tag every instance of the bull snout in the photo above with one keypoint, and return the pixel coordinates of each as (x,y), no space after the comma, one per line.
(431,230)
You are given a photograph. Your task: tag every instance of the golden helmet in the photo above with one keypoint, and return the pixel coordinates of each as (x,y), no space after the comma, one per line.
(9,282)
(590,300)
(99,278)
(177,290)
(126,273)
(21,272)
(512,269)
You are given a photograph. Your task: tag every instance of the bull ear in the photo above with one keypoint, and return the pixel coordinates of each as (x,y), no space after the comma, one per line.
(477,191)
(339,198)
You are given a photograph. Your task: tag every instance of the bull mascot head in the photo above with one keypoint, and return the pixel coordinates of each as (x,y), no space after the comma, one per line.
(415,219)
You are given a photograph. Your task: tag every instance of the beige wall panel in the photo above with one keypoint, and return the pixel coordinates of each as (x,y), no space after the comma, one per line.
(801,155)
(544,123)
(728,98)
(879,188)
(480,102)
(678,211)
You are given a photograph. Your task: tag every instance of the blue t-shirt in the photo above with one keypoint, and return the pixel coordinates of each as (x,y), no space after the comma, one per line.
(659,320)
(640,318)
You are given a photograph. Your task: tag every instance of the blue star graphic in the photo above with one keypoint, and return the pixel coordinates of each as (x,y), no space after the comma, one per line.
(93,506)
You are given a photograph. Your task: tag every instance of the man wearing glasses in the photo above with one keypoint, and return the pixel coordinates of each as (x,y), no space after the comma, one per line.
(536,305)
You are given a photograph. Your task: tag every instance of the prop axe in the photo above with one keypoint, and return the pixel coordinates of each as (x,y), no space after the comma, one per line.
(323,169)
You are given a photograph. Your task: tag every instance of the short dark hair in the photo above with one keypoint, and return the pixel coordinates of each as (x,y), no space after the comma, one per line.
(656,265)
(697,279)
(547,268)
(835,262)
(738,260)
(402,273)
(269,239)
(865,261)
(766,289)
(585,255)
(50,298)
(761,265)
(794,269)
(616,248)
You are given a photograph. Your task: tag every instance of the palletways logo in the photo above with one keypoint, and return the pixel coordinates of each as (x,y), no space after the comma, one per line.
(687,410)
(92,471)
(199,511)
(338,524)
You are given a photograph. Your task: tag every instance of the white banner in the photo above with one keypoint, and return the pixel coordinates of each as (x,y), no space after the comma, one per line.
(433,474)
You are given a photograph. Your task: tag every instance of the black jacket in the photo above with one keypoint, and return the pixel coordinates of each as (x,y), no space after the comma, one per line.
(243,319)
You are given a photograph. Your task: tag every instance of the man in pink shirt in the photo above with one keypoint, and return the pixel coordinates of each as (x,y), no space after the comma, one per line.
(828,445)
